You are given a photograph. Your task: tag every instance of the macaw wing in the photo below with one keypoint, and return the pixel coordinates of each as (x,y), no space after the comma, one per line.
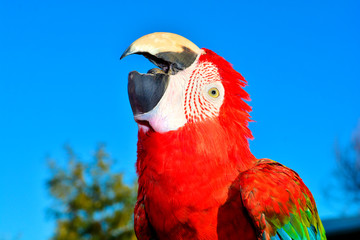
(279,204)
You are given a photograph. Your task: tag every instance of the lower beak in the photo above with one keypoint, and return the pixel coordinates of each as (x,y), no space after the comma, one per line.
(146,90)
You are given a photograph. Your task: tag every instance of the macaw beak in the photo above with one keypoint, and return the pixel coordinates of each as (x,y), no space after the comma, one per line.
(168,51)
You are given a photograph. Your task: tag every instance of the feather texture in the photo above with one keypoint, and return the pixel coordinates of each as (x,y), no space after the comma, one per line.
(279,203)
(202,182)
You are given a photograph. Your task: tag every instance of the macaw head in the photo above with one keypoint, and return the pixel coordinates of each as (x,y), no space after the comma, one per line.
(192,89)
(190,85)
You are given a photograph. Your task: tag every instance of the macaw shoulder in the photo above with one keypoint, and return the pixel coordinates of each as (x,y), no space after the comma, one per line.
(278,202)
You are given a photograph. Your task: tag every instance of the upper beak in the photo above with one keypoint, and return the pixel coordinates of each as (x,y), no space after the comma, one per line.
(168,51)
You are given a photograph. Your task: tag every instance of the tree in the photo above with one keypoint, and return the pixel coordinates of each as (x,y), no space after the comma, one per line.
(348,172)
(90,201)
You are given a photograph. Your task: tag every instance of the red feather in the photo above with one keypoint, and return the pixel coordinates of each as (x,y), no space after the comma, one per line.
(190,179)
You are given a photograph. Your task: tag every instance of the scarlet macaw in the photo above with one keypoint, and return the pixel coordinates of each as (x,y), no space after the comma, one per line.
(197,177)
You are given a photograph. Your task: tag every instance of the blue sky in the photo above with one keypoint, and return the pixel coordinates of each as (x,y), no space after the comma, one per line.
(61,81)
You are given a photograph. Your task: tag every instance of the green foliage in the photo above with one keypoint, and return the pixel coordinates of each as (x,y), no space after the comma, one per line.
(90,201)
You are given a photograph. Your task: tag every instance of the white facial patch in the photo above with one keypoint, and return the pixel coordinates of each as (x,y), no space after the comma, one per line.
(200,103)
(194,94)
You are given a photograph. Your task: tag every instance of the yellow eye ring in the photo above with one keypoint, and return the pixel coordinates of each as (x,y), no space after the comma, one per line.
(214,92)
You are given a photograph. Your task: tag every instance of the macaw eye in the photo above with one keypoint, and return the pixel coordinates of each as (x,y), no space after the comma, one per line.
(213,92)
